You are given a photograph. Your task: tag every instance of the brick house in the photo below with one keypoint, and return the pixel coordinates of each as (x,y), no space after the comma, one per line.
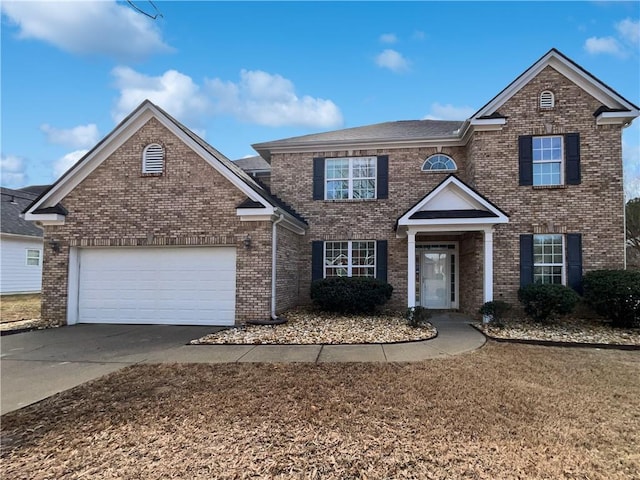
(156,226)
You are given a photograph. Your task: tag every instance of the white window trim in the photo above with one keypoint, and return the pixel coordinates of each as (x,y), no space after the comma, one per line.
(349,266)
(350,178)
(30,257)
(150,166)
(563,274)
(454,169)
(547,96)
(561,161)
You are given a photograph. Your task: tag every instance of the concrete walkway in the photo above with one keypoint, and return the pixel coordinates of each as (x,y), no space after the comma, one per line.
(38,364)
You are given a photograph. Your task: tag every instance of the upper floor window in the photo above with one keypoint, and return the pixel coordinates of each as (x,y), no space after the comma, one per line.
(439,162)
(153,159)
(350,178)
(547,99)
(547,160)
(550,160)
(33,257)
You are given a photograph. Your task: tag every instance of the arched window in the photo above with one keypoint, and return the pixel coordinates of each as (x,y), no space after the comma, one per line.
(439,162)
(153,159)
(547,99)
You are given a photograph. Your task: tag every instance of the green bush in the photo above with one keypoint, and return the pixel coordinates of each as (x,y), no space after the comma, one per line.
(546,302)
(350,294)
(417,316)
(614,294)
(495,309)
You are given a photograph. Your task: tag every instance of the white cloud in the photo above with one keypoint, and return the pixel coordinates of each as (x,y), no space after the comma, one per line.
(449,112)
(631,160)
(629,31)
(388,38)
(65,163)
(173,91)
(270,99)
(12,171)
(82,136)
(597,45)
(392,60)
(87,27)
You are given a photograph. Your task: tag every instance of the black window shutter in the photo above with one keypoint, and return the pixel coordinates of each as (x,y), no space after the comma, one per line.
(381,260)
(317,260)
(572,158)
(526,260)
(525,159)
(318,178)
(383,176)
(574,261)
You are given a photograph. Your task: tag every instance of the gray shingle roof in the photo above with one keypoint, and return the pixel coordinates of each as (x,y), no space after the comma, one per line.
(399,130)
(253,164)
(13,203)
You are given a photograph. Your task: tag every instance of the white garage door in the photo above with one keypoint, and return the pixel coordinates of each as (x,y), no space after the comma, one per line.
(176,286)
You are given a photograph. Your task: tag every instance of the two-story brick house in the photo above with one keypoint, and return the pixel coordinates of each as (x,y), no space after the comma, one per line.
(154,225)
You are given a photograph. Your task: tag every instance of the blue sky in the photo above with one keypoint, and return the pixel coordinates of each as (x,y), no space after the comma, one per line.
(239,73)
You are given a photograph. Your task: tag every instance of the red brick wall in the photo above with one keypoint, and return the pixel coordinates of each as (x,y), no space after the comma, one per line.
(191,204)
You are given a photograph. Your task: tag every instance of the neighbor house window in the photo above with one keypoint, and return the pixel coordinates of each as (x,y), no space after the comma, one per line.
(350,178)
(350,259)
(33,257)
(548,259)
(547,160)
(153,159)
(437,163)
(547,99)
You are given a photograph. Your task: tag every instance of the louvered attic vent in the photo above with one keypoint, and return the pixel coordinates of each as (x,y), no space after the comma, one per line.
(547,99)
(153,159)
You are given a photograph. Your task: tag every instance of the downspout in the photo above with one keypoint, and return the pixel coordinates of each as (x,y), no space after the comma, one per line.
(274,254)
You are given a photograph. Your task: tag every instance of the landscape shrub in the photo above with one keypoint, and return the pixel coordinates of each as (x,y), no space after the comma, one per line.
(350,294)
(546,302)
(496,310)
(614,294)
(417,316)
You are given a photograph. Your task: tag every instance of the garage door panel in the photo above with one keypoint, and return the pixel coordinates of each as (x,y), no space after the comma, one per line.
(188,286)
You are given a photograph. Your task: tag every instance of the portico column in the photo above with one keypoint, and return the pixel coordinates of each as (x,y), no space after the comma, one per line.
(411,268)
(488,264)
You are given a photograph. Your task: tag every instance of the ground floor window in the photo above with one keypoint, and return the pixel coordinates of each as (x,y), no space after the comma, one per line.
(548,259)
(33,257)
(350,259)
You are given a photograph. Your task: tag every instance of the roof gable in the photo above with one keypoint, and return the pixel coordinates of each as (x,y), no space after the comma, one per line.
(123,131)
(452,201)
(574,72)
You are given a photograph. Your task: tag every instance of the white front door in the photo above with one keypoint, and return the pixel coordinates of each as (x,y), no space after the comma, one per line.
(438,279)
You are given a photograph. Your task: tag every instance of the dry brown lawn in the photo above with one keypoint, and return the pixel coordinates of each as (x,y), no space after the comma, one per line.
(19,307)
(503,412)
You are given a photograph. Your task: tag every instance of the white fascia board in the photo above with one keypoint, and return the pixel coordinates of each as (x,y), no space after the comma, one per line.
(93,159)
(488,124)
(447,222)
(575,74)
(253,212)
(456,141)
(122,133)
(617,118)
(207,156)
(32,238)
(451,228)
(45,218)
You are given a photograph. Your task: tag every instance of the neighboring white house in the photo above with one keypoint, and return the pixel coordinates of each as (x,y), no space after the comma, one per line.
(20,243)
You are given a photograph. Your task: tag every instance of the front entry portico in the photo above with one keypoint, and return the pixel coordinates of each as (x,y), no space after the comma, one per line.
(451,209)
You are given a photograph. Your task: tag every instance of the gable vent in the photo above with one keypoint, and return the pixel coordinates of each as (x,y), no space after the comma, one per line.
(547,100)
(153,159)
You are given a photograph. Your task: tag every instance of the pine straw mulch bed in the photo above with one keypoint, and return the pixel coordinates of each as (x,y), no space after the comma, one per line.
(503,412)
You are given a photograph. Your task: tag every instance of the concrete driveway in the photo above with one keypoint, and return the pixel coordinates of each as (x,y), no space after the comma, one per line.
(38,364)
